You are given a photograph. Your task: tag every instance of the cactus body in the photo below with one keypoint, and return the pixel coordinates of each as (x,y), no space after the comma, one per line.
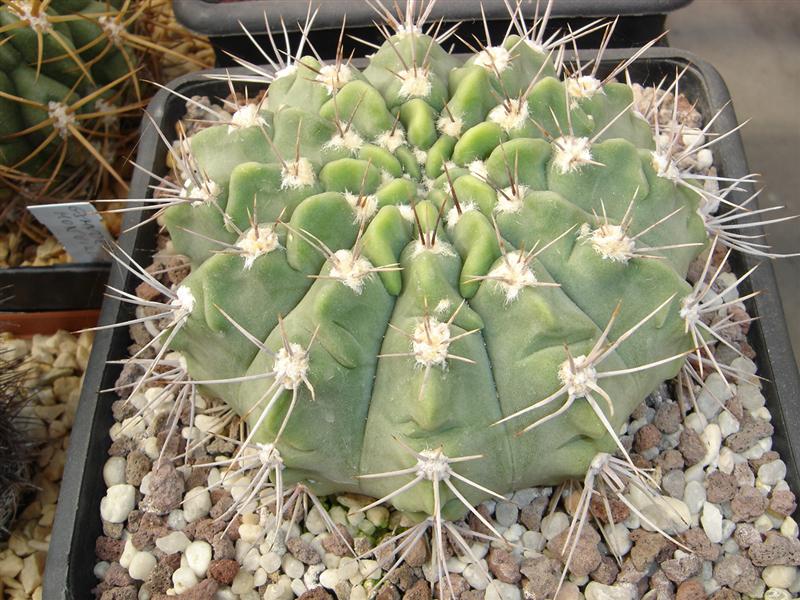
(430,246)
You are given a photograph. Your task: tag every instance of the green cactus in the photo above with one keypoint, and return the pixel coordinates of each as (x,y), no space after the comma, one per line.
(432,262)
(69,71)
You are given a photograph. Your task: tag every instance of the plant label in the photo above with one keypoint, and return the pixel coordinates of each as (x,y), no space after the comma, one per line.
(78,227)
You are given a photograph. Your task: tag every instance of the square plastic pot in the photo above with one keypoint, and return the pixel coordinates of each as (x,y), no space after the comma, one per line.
(77,524)
(639,21)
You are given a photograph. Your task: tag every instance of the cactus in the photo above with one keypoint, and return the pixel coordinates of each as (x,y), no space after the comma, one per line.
(69,72)
(437,279)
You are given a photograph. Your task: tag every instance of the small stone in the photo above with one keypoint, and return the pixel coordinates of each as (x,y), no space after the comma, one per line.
(585,558)
(598,591)
(647,548)
(303,551)
(691,589)
(779,576)
(165,491)
(498,590)
(782,502)
(553,524)
(127,592)
(339,542)
(136,467)
(668,417)
(697,541)
(114,471)
(198,557)
(619,511)
(772,472)
(736,572)
(417,553)
(319,593)
(503,565)
(105,548)
(476,524)
(160,578)
(292,567)
(674,483)
(183,579)
(506,513)
(117,576)
(196,504)
(118,502)
(720,487)
(174,542)
(531,515)
(419,591)
(142,565)
(670,460)
(694,496)
(748,504)
(682,568)
(711,520)
(691,446)
(542,575)
(607,572)
(223,571)
(648,436)
(775,550)
(750,432)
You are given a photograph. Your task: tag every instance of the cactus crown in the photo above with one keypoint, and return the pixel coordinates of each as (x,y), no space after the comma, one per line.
(436,279)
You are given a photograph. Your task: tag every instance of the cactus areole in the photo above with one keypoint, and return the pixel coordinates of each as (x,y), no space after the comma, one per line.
(437,270)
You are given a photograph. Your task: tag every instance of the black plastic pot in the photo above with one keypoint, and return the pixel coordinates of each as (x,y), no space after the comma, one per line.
(639,21)
(55,288)
(77,524)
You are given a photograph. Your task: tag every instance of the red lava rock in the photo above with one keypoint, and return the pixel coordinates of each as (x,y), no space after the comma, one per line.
(166,489)
(607,572)
(530,516)
(691,589)
(697,541)
(320,593)
(303,551)
(476,525)
(137,465)
(223,571)
(775,550)
(720,487)
(120,593)
(108,549)
(669,460)
(619,512)
(648,547)
(334,543)
(782,502)
(503,566)
(736,572)
(117,576)
(679,570)
(668,417)
(691,446)
(748,504)
(585,558)
(419,591)
(648,436)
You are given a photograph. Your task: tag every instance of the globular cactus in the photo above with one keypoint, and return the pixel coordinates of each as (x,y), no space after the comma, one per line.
(69,72)
(436,279)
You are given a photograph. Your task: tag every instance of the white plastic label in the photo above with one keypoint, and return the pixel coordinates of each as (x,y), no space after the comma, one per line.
(79,228)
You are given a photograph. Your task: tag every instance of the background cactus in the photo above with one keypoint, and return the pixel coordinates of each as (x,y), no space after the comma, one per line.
(395,271)
(69,77)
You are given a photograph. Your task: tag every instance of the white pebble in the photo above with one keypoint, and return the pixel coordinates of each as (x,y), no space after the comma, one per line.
(696,421)
(292,567)
(348,567)
(533,540)
(299,588)
(711,520)
(260,577)
(777,594)
(196,504)
(712,438)
(114,471)
(100,569)
(378,516)
(198,557)
(772,472)
(358,593)
(128,552)
(369,569)
(599,591)
(314,522)
(175,520)
(118,503)
(789,528)
(763,524)
(514,533)
(174,542)
(279,591)
(250,532)
(271,562)
(715,392)
(619,537)
(779,576)
(553,524)
(728,424)
(329,578)
(242,582)
(750,396)
(142,565)
(475,577)
(694,495)
(726,460)
(183,579)
(506,513)
(499,590)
